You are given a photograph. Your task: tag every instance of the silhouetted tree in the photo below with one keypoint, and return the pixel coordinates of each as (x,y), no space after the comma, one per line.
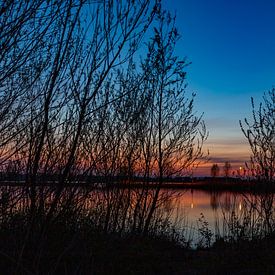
(73,102)
(227,168)
(215,170)
(260,134)
(175,134)
(23,28)
(56,59)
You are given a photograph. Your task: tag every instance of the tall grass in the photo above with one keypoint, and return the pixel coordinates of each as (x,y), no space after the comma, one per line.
(91,230)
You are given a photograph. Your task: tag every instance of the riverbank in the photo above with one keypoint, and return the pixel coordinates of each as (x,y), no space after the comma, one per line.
(144,256)
(110,254)
(71,243)
(105,232)
(160,257)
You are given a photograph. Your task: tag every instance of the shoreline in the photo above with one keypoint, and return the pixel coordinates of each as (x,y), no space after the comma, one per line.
(208,184)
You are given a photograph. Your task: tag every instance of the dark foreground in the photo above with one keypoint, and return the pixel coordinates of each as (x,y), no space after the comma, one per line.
(161,257)
(72,251)
(105,232)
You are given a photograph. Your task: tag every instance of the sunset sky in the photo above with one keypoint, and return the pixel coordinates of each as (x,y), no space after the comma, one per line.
(231,44)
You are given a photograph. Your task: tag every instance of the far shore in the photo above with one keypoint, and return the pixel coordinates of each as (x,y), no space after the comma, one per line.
(198,183)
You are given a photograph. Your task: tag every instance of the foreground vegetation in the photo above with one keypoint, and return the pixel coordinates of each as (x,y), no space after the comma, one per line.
(74,251)
(84,92)
(103,232)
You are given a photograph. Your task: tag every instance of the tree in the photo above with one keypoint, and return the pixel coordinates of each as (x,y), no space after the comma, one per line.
(260,134)
(56,57)
(227,169)
(23,29)
(215,170)
(174,133)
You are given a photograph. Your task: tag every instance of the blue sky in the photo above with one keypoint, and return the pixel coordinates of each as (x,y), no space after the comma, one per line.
(231,44)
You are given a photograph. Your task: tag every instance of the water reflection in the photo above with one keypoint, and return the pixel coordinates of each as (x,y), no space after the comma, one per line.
(194,213)
(229,215)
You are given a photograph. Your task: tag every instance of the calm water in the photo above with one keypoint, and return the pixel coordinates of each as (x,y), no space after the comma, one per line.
(195,214)
(190,204)
(224,213)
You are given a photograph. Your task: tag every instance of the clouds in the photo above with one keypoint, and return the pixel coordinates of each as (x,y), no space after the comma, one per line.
(234,149)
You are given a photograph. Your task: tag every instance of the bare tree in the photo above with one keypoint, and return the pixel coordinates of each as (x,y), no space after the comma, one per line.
(174,134)
(56,59)
(110,39)
(149,127)
(23,26)
(227,169)
(74,102)
(260,134)
(215,170)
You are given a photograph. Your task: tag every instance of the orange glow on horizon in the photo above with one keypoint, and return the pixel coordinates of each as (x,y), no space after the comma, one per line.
(234,150)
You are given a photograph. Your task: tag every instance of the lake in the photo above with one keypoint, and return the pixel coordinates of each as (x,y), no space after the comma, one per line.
(224,214)
(200,216)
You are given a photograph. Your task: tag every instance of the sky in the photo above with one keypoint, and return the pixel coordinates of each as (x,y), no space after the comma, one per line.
(231,44)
